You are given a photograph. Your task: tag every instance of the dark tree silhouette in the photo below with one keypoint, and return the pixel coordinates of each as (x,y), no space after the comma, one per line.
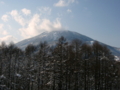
(64,66)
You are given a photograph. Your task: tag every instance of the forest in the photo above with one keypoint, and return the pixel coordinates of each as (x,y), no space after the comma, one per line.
(65,66)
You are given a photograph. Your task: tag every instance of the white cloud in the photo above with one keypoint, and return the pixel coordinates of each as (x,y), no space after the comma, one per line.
(60,3)
(2,31)
(45,10)
(63,3)
(38,25)
(1,26)
(31,26)
(69,11)
(18,18)
(4,18)
(26,11)
(47,25)
(8,39)
(1,2)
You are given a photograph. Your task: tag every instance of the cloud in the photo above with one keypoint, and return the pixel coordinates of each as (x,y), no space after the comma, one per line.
(31,26)
(2,31)
(38,25)
(45,10)
(8,39)
(26,11)
(1,2)
(69,11)
(1,26)
(5,37)
(63,3)
(18,18)
(4,18)
(47,25)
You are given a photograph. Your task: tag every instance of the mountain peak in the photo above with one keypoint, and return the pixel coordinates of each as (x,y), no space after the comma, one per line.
(52,36)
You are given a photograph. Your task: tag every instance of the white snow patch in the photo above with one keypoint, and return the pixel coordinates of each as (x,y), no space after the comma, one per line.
(49,83)
(2,76)
(116,58)
(91,42)
(42,72)
(18,75)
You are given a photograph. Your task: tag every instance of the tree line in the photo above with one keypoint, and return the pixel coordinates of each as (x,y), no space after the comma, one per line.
(65,66)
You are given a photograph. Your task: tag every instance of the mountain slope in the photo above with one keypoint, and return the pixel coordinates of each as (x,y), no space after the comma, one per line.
(53,36)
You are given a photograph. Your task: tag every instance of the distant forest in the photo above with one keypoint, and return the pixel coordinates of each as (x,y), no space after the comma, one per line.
(65,66)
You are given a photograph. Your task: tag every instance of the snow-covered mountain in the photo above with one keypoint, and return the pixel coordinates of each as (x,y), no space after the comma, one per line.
(52,37)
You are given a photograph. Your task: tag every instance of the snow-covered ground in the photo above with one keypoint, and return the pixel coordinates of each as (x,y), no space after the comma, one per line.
(117,58)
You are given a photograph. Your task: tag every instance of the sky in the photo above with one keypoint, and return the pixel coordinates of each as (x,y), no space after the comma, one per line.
(97,19)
